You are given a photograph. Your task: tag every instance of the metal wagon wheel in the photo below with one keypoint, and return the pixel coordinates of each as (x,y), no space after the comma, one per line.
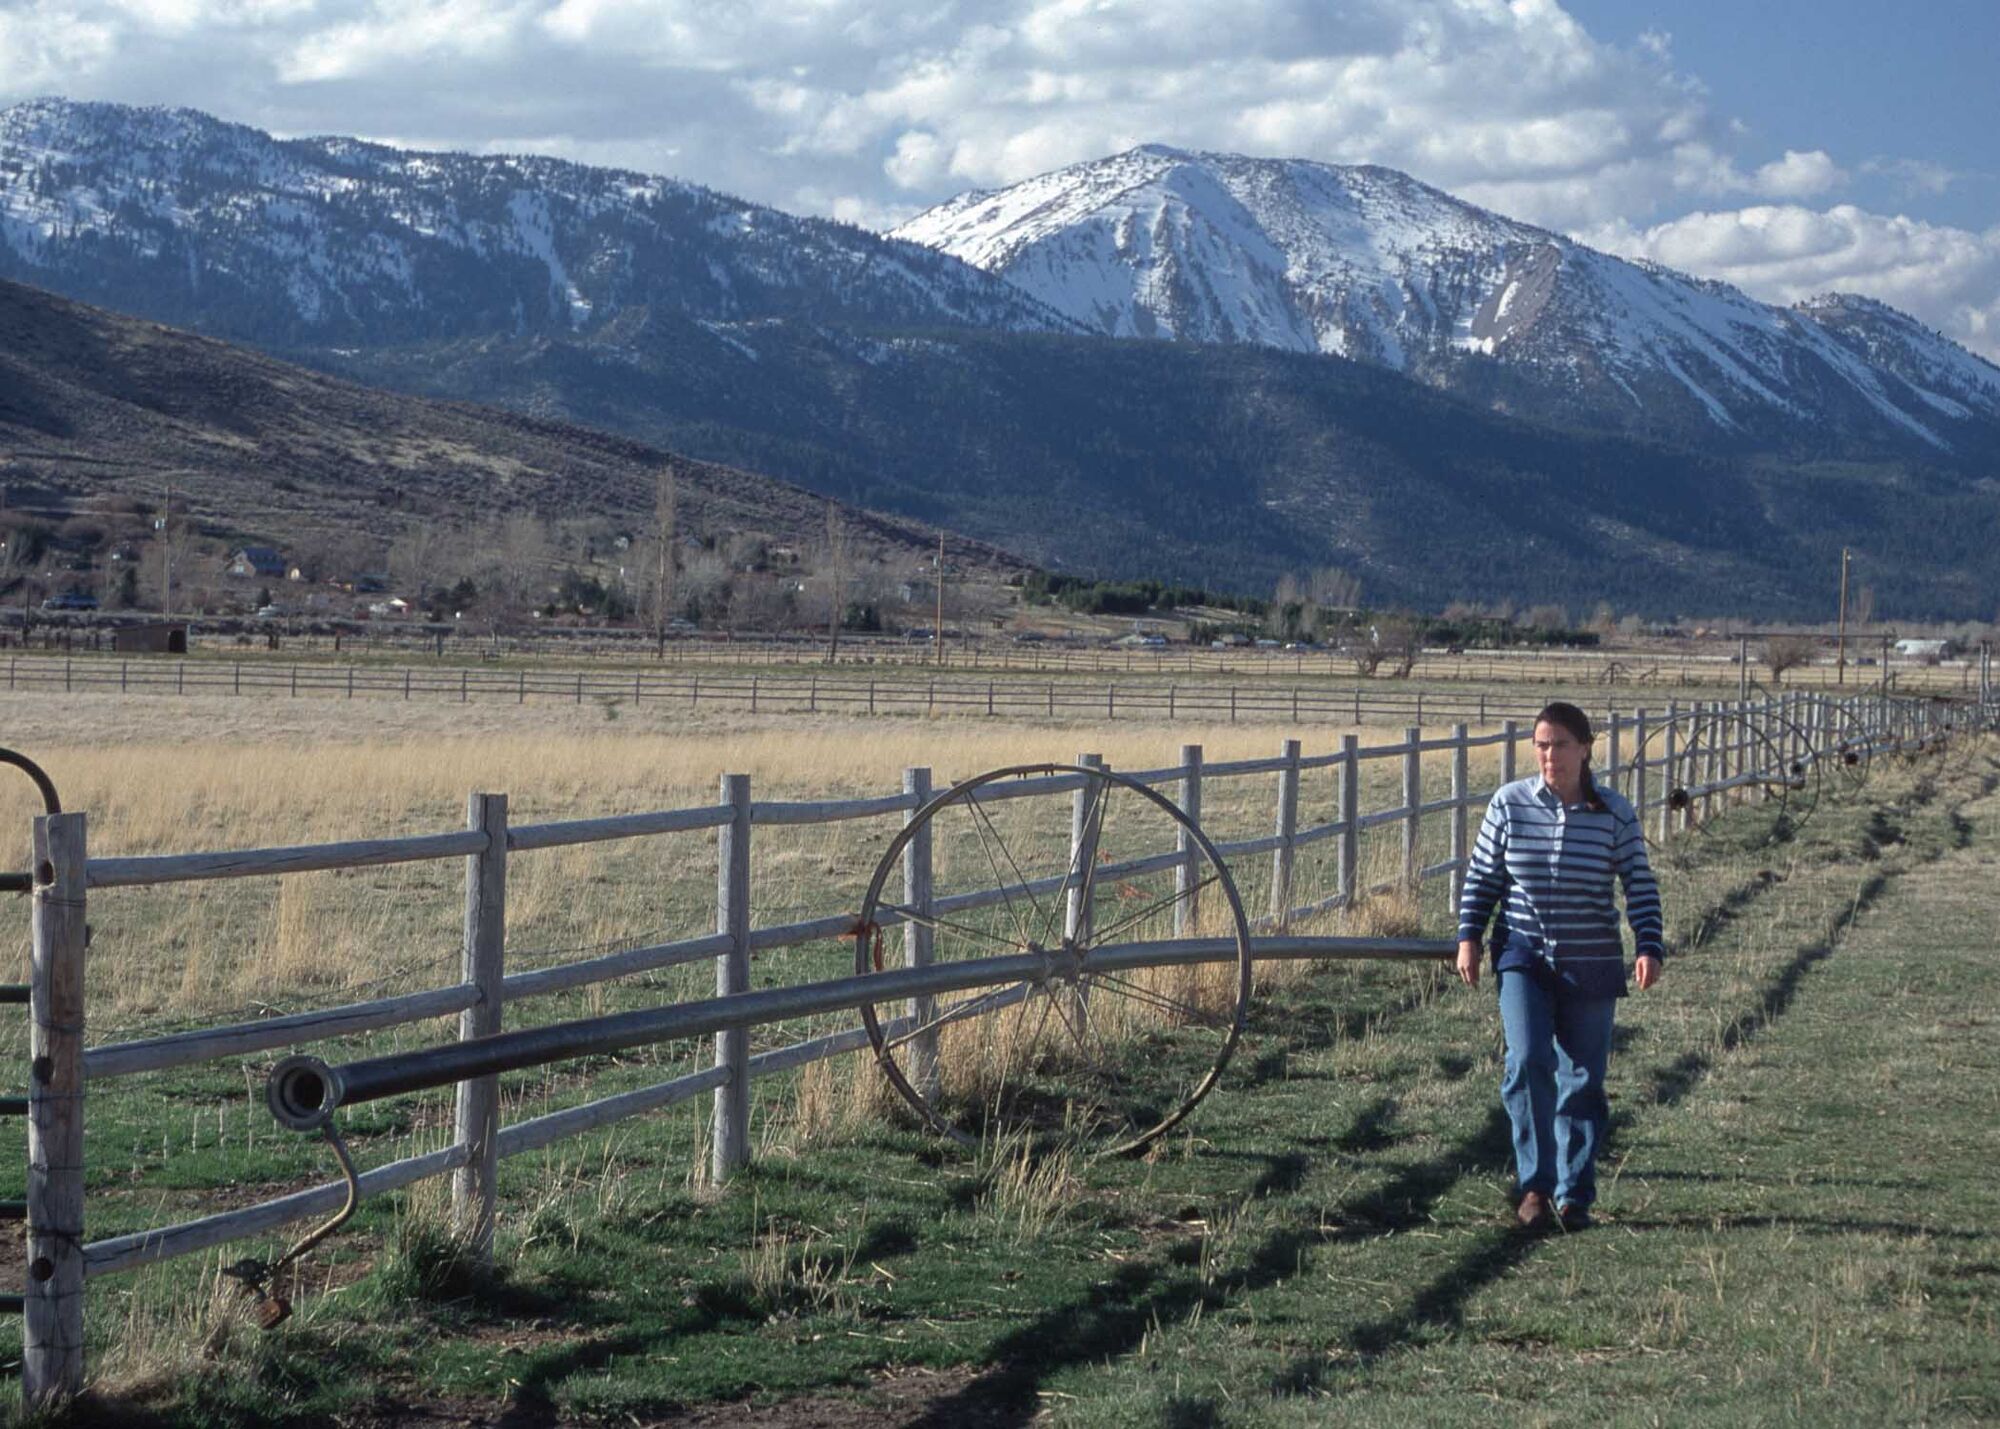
(1114,1017)
(1773,797)
(1852,751)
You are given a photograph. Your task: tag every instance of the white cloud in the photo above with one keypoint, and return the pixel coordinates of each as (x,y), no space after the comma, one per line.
(400,34)
(885,106)
(1798,175)
(46,41)
(1947,277)
(1915,178)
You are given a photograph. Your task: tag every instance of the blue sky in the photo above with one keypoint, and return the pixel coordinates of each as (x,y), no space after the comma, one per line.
(1785,146)
(1857,78)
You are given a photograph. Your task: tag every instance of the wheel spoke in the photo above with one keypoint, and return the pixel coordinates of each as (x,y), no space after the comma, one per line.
(1034,1039)
(1154,998)
(955,1013)
(1100,1061)
(980,816)
(933,921)
(1098,939)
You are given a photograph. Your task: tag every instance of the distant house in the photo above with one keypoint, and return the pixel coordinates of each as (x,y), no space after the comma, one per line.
(394,608)
(257,561)
(1925,649)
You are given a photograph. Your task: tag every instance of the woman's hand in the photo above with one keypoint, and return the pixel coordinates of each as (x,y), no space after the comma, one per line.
(1646,971)
(1468,961)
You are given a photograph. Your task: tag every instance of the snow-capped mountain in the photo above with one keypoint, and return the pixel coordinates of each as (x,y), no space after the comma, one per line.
(1368,263)
(184,218)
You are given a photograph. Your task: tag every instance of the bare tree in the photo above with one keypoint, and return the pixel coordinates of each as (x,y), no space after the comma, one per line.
(1391,641)
(704,589)
(1862,612)
(414,558)
(760,601)
(1288,611)
(1400,645)
(1335,589)
(520,549)
(1786,652)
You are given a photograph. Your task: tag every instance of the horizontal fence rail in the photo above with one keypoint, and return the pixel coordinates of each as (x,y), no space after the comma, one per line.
(1750,748)
(1872,663)
(1222,688)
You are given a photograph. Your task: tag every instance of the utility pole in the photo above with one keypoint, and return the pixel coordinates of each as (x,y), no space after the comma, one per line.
(836,575)
(167,555)
(1840,640)
(937,631)
(666,512)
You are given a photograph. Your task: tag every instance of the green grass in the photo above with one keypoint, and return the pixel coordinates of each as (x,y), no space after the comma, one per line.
(1799,1220)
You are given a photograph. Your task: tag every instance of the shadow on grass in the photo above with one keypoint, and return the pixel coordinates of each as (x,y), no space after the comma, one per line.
(1673,1083)
(1112,1318)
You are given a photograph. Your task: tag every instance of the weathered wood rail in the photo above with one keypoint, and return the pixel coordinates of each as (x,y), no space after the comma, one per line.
(62,1261)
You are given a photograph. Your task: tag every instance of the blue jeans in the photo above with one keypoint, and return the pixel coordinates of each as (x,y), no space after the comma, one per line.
(1553,1089)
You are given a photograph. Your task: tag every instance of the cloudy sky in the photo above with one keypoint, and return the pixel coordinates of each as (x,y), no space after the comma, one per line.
(1788,146)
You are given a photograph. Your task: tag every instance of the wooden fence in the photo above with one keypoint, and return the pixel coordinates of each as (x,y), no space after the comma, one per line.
(972,676)
(840,692)
(61,1261)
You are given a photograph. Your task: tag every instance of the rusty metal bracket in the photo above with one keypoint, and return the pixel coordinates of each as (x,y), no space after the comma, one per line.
(258,1276)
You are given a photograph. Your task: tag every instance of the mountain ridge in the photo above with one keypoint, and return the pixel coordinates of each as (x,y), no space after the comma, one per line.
(1370,263)
(898,379)
(220,227)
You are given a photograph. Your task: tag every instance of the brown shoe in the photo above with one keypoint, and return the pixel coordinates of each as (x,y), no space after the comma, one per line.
(1533,1213)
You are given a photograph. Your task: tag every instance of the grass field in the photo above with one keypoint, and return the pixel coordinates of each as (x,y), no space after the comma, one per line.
(1798,1226)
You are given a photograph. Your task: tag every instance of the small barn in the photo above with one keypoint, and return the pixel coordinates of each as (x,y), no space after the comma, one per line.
(159,637)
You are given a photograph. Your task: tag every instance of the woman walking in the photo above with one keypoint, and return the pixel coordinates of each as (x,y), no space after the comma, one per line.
(1550,848)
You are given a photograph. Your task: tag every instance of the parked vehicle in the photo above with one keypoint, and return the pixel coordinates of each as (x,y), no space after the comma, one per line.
(70,600)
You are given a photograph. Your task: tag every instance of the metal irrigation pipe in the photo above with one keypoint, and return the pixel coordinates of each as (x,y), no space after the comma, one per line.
(303,1091)
(23,882)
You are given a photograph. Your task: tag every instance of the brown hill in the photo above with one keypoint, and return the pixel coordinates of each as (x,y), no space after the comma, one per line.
(96,405)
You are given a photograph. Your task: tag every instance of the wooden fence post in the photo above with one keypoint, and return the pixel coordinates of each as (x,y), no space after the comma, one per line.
(475,1184)
(52,1333)
(1510,732)
(1187,873)
(1639,767)
(1350,815)
(1287,831)
(919,938)
(1083,835)
(1413,796)
(1667,770)
(1461,784)
(1612,769)
(732,975)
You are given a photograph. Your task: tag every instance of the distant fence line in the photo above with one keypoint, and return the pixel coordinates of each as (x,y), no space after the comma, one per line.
(839,691)
(1869,664)
(1794,728)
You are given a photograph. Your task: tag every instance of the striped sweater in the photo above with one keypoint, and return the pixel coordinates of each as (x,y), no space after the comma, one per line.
(1549,869)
